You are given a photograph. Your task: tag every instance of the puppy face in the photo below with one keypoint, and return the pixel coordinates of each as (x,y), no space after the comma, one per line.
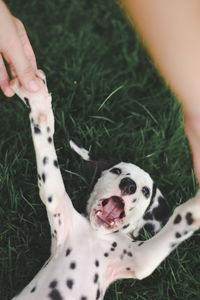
(120,198)
(124,198)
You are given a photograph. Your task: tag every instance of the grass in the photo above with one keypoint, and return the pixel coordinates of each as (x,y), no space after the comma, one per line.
(107,96)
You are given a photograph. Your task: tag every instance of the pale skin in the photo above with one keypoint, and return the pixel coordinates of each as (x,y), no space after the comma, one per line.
(170,29)
(16,50)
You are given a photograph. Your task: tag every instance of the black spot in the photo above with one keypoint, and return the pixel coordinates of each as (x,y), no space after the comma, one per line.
(141,243)
(49,140)
(177,235)
(129,254)
(39,177)
(70,283)
(45,160)
(125,226)
(43,177)
(178,219)
(189,218)
(124,251)
(96,277)
(83,298)
(55,295)
(114,244)
(98,294)
(68,251)
(106,254)
(162,212)
(48,129)
(33,289)
(53,284)
(36,129)
(73,265)
(32,121)
(112,249)
(50,199)
(115,231)
(96,263)
(185,232)
(55,162)
(128,269)
(27,103)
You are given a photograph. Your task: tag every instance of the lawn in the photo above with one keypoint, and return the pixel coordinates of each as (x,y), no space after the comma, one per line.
(107,96)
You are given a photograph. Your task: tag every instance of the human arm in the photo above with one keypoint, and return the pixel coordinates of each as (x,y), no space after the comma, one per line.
(171,32)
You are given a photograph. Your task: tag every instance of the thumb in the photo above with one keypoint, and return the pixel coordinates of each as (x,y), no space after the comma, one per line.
(23,69)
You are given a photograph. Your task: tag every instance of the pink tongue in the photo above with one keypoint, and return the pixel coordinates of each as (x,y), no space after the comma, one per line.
(113,208)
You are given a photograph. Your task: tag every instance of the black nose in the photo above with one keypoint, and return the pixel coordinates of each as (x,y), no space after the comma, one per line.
(127,186)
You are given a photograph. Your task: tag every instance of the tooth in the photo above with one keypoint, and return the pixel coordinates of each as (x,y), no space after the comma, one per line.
(112,223)
(98,213)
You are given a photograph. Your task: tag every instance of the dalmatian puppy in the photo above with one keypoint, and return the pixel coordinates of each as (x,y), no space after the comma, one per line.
(88,255)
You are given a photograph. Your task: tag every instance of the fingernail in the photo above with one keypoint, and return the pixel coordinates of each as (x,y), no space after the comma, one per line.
(33,85)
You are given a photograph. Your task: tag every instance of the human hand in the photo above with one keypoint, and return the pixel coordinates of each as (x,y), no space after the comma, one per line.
(16,50)
(192,129)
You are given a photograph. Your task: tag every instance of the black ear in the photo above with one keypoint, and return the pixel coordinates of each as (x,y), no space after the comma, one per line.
(156,215)
(92,163)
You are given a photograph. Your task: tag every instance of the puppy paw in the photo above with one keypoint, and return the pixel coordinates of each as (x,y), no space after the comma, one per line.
(32,99)
(38,103)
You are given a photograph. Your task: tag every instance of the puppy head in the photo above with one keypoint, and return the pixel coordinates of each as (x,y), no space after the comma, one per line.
(125,199)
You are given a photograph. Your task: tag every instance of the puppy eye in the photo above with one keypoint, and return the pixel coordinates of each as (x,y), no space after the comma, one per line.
(116,171)
(146,191)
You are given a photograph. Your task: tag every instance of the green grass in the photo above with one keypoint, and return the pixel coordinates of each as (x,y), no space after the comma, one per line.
(107,96)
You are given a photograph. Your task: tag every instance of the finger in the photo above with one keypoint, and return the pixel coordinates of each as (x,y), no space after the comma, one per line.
(4,80)
(28,50)
(14,54)
(22,67)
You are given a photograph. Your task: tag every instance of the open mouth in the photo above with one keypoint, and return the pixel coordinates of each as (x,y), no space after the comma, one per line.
(111,211)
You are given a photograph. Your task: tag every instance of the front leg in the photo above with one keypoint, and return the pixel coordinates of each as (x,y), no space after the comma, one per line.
(182,224)
(138,259)
(51,187)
